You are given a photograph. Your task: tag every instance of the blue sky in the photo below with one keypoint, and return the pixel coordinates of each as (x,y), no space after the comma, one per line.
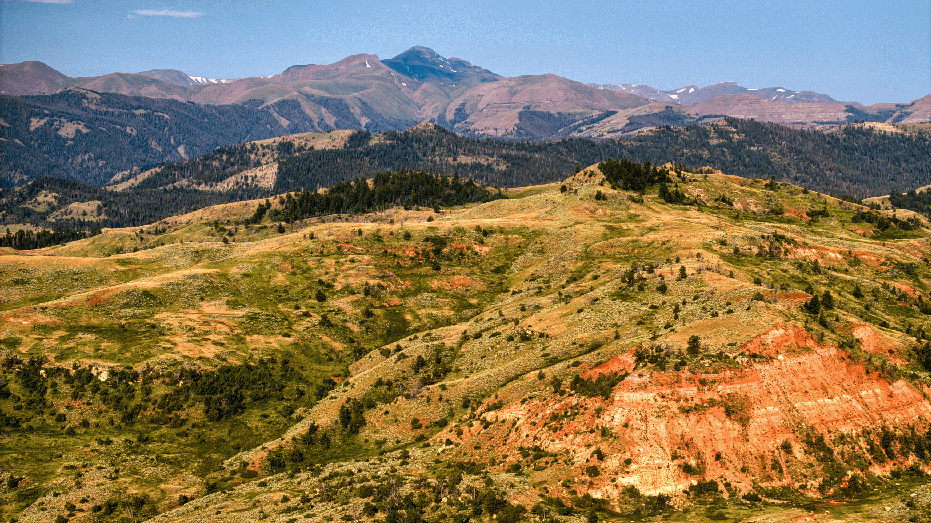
(868,51)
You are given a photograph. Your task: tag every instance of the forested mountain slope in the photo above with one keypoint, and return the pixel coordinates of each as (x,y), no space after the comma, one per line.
(91,137)
(854,160)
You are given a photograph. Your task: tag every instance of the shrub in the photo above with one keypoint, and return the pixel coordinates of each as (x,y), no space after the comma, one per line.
(694,345)
(602,386)
(813,306)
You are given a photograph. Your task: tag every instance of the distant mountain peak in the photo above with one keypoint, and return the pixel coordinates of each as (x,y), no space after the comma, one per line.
(29,77)
(426,65)
(421,49)
(362,63)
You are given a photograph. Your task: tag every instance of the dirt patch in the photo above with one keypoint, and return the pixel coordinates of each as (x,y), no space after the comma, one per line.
(907,289)
(616,365)
(194,350)
(99,298)
(462,284)
(218,308)
(816,254)
(781,338)
(875,342)
(332,343)
(25,317)
(456,247)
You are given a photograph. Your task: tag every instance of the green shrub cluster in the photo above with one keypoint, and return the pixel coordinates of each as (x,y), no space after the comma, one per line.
(600,386)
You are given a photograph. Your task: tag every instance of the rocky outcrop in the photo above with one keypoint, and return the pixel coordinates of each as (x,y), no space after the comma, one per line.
(745,426)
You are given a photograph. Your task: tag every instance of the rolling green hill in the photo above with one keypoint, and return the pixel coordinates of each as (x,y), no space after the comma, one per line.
(630,342)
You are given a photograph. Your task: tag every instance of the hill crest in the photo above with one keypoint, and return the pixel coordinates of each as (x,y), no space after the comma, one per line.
(535,348)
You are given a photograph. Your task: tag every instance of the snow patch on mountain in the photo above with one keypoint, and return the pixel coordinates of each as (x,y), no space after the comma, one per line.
(200,80)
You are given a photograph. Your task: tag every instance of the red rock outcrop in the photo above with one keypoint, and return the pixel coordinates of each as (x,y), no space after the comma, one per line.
(729,425)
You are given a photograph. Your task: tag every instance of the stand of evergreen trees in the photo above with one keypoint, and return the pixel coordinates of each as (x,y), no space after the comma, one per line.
(388,189)
(129,208)
(855,161)
(26,239)
(913,200)
(885,223)
(631,176)
(221,393)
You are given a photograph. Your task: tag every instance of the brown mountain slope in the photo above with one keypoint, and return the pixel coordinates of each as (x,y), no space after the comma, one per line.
(133,85)
(745,105)
(361,91)
(349,66)
(358,91)
(494,108)
(919,111)
(29,78)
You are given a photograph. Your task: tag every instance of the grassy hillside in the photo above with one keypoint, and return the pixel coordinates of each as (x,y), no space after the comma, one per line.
(711,347)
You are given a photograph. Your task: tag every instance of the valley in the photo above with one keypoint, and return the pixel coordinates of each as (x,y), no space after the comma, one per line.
(628,341)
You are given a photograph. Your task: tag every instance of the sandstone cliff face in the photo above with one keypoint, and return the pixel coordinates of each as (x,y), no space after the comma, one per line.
(729,425)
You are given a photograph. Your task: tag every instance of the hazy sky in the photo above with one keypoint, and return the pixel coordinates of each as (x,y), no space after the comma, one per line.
(868,51)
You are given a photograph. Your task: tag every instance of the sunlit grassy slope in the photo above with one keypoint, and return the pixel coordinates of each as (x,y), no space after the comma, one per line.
(571,352)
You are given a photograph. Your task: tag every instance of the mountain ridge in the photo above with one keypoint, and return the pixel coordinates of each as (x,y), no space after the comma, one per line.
(181,78)
(362,91)
(691,94)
